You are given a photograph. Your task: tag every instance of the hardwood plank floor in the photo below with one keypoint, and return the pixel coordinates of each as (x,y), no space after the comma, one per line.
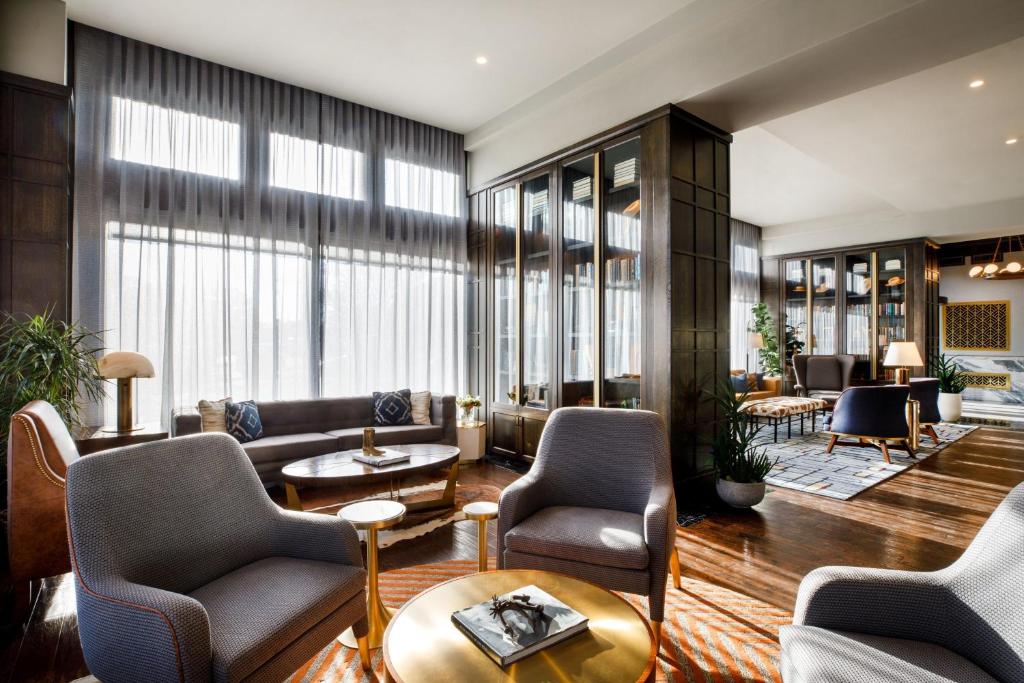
(921,520)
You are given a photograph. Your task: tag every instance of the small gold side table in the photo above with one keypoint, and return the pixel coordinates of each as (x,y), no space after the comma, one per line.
(371,516)
(481,512)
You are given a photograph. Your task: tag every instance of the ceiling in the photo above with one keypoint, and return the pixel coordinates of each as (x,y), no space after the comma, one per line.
(922,143)
(409,57)
(853,120)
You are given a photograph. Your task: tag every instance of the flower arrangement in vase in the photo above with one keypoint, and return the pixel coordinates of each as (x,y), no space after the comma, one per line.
(467,408)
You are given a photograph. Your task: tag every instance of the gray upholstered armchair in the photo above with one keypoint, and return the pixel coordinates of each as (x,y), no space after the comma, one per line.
(598,504)
(187,571)
(962,623)
(823,377)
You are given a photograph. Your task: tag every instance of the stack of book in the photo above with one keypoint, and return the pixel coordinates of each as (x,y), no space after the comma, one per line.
(538,203)
(624,172)
(387,457)
(581,189)
(513,634)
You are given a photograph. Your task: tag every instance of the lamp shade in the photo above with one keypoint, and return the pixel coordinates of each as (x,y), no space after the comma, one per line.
(755,340)
(124,364)
(903,354)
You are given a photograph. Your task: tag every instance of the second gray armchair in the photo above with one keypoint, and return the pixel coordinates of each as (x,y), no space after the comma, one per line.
(597,504)
(186,571)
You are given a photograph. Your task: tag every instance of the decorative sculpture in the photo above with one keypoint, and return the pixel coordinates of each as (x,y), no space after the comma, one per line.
(368,447)
(516,603)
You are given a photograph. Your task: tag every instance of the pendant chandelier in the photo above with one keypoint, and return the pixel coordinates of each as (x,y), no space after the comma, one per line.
(993,271)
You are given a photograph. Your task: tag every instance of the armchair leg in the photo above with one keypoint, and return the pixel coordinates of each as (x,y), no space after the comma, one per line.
(885,450)
(364,653)
(930,431)
(832,443)
(673,563)
(656,626)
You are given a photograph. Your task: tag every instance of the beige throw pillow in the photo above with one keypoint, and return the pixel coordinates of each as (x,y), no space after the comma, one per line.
(420,407)
(212,413)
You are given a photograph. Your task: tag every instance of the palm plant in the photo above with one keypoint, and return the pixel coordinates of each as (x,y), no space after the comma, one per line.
(952,380)
(737,457)
(768,358)
(50,360)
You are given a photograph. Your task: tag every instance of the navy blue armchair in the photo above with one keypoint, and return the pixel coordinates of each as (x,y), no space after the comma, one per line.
(925,390)
(874,416)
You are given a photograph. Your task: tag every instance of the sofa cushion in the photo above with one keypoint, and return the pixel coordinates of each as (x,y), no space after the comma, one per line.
(816,655)
(392,408)
(315,415)
(609,538)
(387,436)
(739,382)
(243,421)
(290,447)
(258,607)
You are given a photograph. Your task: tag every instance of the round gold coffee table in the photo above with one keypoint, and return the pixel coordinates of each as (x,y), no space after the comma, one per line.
(422,644)
(371,516)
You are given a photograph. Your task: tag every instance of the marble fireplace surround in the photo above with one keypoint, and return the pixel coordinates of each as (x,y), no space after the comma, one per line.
(1014,365)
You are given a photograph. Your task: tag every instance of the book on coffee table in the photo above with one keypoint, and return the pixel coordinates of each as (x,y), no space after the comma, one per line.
(516,633)
(388,458)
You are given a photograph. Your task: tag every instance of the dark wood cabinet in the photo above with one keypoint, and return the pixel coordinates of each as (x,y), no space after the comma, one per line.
(35,192)
(599,276)
(857,301)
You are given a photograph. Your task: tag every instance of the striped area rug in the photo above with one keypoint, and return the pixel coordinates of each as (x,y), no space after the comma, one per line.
(711,634)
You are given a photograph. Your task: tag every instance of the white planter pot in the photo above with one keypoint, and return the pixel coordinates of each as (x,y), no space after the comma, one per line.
(950,406)
(740,495)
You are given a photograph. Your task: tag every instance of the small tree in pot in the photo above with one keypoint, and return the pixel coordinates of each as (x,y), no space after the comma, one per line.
(740,465)
(952,382)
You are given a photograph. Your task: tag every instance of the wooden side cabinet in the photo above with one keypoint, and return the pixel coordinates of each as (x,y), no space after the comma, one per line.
(94,439)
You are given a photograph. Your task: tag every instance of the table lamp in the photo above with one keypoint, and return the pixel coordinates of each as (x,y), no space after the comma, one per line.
(755,341)
(123,366)
(901,355)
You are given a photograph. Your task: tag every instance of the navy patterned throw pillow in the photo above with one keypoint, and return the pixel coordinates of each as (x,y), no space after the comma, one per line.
(391,408)
(243,421)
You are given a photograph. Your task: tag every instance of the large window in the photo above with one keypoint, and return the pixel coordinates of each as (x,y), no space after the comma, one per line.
(258,240)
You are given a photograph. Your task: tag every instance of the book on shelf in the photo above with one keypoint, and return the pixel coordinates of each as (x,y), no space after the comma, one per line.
(539,203)
(860,267)
(624,172)
(582,188)
(893,264)
(517,634)
(388,457)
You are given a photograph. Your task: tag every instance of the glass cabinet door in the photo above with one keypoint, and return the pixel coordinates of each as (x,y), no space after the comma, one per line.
(823,306)
(621,262)
(858,282)
(536,273)
(891,284)
(795,272)
(505,300)
(578,290)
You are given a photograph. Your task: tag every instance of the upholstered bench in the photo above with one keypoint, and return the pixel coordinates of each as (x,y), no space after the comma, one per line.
(775,409)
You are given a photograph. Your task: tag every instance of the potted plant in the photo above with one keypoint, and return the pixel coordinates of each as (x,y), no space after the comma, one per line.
(47,359)
(467,407)
(740,465)
(952,382)
(768,360)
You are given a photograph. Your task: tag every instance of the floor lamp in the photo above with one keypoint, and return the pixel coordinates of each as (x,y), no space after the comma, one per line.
(755,341)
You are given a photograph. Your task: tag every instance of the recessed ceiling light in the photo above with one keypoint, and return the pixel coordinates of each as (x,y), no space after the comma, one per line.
(1011,141)
(977,83)
(481,60)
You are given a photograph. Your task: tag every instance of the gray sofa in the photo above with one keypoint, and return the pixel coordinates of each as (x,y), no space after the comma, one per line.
(959,624)
(293,430)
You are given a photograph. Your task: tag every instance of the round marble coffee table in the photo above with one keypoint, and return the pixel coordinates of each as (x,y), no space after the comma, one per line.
(371,516)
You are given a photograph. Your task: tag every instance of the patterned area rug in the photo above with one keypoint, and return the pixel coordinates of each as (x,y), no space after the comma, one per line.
(805,466)
(710,633)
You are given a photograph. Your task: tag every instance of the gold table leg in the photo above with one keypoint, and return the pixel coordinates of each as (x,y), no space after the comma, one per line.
(447,498)
(481,542)
(292,496)
(377,614)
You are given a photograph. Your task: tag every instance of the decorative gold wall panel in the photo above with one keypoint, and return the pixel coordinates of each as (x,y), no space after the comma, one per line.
(1000,381)
(976,326)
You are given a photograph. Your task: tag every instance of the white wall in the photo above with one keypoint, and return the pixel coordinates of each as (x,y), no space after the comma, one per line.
(956,286)
(33,38)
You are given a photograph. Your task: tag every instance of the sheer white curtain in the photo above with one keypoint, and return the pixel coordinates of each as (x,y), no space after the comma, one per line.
(745,241)
(258,240)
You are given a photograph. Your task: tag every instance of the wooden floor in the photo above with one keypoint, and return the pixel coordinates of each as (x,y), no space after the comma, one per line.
(920,520)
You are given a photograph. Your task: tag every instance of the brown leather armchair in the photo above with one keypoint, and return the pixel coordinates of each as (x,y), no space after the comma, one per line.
(39,450)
